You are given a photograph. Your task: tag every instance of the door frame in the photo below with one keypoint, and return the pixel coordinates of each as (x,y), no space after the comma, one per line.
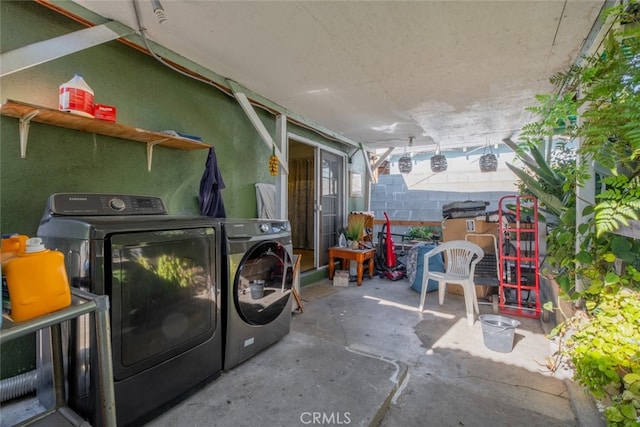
(317,171)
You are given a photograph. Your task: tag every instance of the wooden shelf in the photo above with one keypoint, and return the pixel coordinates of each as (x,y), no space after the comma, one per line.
(27,113)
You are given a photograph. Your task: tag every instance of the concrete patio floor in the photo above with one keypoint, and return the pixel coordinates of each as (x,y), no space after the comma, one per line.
(364,356)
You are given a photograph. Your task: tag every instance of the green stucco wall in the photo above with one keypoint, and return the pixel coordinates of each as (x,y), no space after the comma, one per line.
(147,95)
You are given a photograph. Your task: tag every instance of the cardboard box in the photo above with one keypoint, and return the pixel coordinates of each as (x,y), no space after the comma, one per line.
(482,291)
(476,230)
(104,112)
(341,278)
(482,233)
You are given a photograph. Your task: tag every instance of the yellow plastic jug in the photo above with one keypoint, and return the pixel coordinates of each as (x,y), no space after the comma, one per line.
(36,280)
(12,245)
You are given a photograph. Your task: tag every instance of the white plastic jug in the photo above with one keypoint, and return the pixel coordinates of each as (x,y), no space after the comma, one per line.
(75,96)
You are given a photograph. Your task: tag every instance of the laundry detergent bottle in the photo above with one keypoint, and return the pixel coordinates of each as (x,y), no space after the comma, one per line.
(76,97)
(36,281)
(12,245)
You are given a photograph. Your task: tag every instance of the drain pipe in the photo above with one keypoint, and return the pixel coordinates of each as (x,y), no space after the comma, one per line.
(17,386)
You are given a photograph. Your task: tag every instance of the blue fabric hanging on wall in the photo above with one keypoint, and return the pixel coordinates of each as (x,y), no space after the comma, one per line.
(210,198)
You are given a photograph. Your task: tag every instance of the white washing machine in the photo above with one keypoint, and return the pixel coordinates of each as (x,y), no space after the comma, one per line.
(257,281)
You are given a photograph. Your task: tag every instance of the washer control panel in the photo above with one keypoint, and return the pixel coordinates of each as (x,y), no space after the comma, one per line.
(117,204)
(92,204)
(248,228)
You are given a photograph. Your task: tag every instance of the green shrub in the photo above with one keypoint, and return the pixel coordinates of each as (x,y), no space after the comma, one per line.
(425,232)
(602,343)
(603,346)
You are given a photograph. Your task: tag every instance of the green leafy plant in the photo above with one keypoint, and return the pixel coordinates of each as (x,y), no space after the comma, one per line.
(425,232)
(618,203)
(355,228)
(603,348)
(552,183)
(602,341)
(606,91)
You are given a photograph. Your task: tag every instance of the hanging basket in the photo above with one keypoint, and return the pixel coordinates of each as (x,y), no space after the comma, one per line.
(488,162)
(438,163)
(405,164)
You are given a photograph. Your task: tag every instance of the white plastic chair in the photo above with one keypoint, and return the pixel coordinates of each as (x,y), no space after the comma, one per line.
(461,258)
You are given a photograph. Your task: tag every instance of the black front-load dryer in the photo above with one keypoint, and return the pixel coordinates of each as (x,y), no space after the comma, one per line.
(162,276)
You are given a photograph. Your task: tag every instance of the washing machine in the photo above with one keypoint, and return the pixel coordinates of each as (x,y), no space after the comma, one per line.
(257,281)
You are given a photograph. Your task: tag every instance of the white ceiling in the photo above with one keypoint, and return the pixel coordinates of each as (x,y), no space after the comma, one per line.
(454,73)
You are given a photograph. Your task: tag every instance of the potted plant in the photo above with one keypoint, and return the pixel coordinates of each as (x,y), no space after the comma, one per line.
(354,231)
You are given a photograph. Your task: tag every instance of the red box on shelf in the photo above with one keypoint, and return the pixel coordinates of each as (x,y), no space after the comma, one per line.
(104,112)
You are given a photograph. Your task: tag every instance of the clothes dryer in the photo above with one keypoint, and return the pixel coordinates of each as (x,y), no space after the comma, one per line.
(257,281)
(162,275)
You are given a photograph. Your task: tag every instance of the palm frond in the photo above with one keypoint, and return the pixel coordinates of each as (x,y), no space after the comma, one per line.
(550,202)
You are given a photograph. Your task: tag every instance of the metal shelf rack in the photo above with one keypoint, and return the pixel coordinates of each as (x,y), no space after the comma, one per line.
(82,303)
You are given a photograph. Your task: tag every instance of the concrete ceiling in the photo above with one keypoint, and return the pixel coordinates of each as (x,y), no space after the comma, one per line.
(453,73)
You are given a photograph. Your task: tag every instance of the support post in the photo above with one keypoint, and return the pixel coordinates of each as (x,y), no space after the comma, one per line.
(282,180)
(585,194)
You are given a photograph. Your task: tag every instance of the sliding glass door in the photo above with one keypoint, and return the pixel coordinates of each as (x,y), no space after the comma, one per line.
(331,206)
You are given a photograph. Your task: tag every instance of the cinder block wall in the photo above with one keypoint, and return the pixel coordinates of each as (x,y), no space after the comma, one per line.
(392,196)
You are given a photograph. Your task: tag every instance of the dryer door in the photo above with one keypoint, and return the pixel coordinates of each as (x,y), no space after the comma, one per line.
(262,285)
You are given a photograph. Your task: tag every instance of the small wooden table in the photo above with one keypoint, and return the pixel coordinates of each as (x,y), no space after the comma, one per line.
(348,254)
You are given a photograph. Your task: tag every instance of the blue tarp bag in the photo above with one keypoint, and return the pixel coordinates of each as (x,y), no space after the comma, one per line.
(415,267)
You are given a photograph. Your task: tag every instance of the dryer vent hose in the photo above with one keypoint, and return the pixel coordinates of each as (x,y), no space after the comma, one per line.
(13,387)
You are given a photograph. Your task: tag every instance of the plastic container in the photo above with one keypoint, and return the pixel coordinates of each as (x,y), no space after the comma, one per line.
(75,96)
(498,332)
(257,289)
(12,245)
(36,281)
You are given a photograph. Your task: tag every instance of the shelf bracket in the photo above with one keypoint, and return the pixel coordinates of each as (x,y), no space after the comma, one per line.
(150,146)
(23,125)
